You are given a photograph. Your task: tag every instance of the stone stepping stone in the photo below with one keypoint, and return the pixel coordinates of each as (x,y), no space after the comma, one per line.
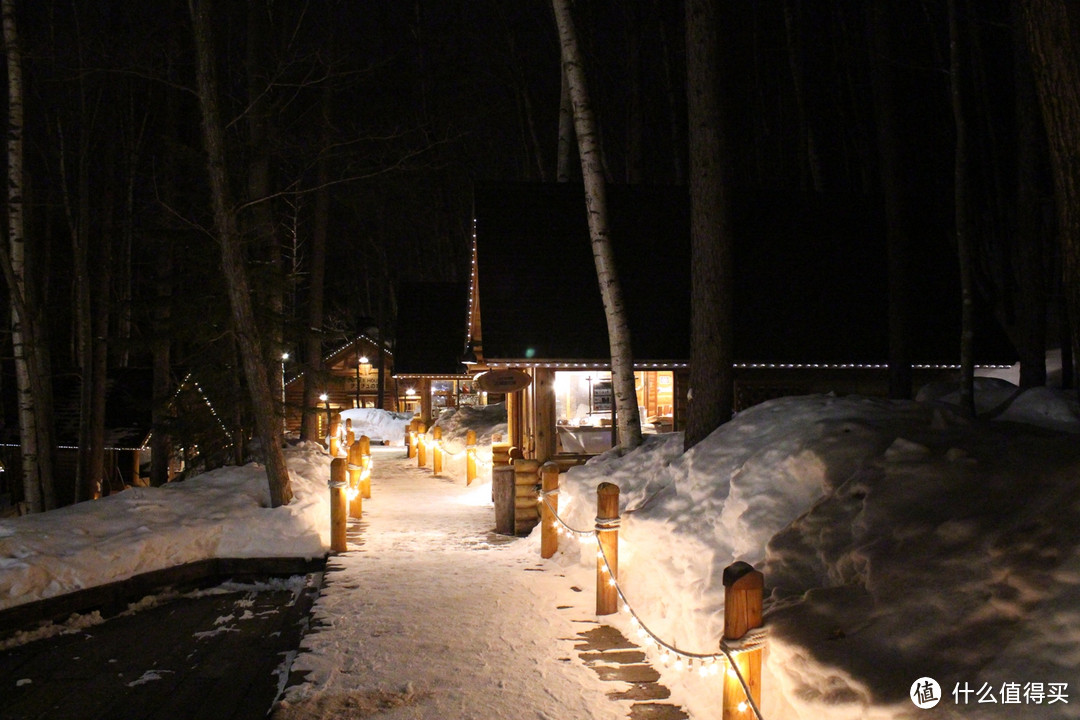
(615,659)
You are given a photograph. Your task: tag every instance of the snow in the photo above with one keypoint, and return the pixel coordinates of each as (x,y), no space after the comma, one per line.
(379,425)
(898,540)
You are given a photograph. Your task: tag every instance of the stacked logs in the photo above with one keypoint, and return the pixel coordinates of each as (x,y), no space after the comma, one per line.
(526,512)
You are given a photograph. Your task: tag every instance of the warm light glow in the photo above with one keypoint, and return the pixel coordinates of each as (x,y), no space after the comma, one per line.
(410,391)
(363,360)
(324,397)
(743,706)
(284,356)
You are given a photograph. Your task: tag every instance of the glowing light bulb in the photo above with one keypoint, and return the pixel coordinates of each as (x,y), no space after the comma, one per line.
(743,706)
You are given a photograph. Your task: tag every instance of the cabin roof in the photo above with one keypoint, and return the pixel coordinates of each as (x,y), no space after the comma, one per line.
(431,329)
(810,279)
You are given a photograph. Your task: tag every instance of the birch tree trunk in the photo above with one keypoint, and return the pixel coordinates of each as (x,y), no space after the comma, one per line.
(566,132)
(628,420)
(712,378)
(250,344)
(35,436)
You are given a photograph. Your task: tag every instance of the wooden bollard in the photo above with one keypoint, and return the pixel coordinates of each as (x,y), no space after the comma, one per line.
(365,466)
(470,457)
(526,514)
(338,514)
(549,505)
(334,443)
(410,438)
(356,467)
(436,451)
(421,445)
(607,540)
(743,586)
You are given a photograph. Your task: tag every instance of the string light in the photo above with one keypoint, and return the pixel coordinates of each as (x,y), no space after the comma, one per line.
(708,663)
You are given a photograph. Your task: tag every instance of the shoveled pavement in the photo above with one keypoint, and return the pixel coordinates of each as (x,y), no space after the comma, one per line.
(215,652)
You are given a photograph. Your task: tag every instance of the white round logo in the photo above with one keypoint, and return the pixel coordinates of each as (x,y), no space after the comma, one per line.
(925,693)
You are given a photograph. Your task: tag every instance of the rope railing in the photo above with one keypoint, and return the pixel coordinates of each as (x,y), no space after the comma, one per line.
(708,664)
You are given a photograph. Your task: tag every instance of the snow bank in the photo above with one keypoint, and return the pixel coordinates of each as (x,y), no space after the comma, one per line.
(225,513)
(897,540)
(379,425)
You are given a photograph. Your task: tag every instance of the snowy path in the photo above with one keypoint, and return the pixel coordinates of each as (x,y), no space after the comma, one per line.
(431,615)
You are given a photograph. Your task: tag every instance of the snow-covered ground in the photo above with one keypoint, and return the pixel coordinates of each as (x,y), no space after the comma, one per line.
(898,541)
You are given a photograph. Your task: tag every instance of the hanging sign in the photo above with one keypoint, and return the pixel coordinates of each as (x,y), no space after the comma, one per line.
(602,397)
(503,381)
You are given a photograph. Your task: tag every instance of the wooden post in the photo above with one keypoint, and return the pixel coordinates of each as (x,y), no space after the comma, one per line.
(335,430)
(365,466)
(544,413)
(743,587)
(549,505)
(436,452)
(410,438)
(356,504)
(526,514)
(470,457)
(421,445)
(338,516)
(607,539)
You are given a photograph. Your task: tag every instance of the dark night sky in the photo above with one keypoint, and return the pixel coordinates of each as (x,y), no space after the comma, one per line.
(429,97)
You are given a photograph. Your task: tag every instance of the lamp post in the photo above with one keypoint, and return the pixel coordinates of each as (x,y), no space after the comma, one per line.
(284,421)
(361,361)
(326,401)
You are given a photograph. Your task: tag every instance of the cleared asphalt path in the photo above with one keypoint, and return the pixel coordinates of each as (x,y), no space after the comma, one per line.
(216,653)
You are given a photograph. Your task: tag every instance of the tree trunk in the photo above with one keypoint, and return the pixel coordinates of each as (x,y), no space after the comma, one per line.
(1056,64)
(628,421)
(897,238)
(712,377)
(260,214)
(34,402)
(809,163)
(1030,256)
(309,423)
(963,226)
(99,350)
(161,345)
(232,261)
(566,132)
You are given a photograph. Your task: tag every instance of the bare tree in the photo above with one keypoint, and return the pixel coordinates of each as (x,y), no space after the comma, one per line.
(622,357)
(250,344)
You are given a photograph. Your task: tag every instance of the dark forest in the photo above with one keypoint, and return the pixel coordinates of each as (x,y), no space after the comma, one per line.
(354,132)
